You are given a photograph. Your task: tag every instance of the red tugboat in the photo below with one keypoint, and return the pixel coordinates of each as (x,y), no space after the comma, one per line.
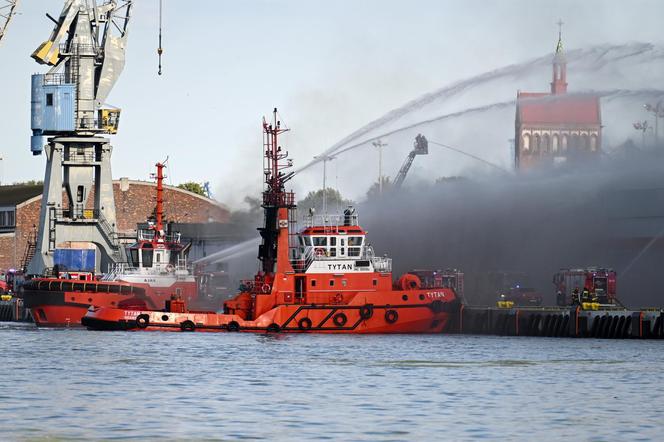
(326,278)
(157,269)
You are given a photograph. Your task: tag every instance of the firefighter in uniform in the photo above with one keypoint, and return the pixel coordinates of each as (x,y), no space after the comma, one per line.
(576,299)
(585,297)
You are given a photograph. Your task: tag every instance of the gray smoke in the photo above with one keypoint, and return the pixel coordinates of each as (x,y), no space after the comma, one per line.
(606,213)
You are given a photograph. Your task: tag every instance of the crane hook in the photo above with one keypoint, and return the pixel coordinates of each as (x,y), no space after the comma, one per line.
(160,50)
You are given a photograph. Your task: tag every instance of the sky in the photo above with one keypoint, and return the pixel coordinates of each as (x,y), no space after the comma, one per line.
(330,68)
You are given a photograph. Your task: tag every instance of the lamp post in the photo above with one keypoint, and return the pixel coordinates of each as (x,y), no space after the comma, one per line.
(643,127)
(325,159)
(658,112)
(378,144)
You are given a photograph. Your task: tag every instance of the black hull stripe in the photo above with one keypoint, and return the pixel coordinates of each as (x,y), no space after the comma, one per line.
(100,324)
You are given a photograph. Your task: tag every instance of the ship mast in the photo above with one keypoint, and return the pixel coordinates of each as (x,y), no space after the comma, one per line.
(275,199)
(159,211)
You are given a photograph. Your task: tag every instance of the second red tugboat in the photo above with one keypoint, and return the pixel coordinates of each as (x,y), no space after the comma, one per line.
(325,278)
(157,269)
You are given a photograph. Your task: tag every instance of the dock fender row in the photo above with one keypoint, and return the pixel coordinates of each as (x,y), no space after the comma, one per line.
(233,326)
(187,326)
(304,324)
(437,306)
(391,316)
(273,328)
(142,320)
(366,311)
(340,319)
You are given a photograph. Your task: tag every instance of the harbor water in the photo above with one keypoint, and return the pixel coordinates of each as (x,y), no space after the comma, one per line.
(77,384)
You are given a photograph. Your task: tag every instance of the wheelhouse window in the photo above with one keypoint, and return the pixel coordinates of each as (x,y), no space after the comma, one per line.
(133,256)
(333,246)
(355,246)
(320,241)
(146,255)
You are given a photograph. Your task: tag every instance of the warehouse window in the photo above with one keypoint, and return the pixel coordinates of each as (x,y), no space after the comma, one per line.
(7,219)
(49,99)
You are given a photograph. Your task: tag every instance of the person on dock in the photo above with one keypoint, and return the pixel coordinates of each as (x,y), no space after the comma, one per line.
(576,298)
(585,297)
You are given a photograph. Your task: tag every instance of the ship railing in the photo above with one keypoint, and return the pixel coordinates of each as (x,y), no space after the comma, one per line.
(331,221)
(301,263)
(148,235)
(76,213)
(382,264)
(55,79)
(125,268)
(119,268)
(312,253)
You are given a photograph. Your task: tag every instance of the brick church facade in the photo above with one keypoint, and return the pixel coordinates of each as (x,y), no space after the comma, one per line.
(556,127)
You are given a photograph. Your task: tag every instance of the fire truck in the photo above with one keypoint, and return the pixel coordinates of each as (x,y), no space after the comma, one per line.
(576,286)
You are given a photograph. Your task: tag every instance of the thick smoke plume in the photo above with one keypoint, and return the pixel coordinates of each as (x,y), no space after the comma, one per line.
(606,213)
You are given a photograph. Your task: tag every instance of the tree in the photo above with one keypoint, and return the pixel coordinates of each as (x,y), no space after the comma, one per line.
(374,190)
(194,187)
(314,200)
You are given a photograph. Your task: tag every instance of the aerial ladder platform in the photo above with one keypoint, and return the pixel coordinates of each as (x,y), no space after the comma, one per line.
(420,147)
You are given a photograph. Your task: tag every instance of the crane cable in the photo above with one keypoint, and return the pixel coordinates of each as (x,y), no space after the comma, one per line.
(160,50)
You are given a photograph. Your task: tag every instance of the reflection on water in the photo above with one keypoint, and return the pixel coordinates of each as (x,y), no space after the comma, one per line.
(68,384)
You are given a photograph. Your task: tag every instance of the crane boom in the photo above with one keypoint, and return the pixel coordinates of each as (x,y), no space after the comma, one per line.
(7,11)
(420,147)
(86,50)
(86,55)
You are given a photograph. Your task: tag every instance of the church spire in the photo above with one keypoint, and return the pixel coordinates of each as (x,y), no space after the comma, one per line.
(559,83)
(559,46)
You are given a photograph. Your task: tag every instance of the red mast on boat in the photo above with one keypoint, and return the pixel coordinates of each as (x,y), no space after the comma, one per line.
(159,211)
(276,201)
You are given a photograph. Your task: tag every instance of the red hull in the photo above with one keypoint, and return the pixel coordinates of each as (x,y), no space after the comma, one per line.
(412,317)
(65,309)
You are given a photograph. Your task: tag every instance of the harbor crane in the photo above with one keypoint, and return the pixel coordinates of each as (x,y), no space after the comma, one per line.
(86,55)
(420,147)
(7,11)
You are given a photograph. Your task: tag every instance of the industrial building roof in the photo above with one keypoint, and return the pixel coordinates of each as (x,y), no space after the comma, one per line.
(17,193)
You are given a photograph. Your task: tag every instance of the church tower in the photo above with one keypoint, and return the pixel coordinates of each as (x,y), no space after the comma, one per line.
(559,83)
(556,127)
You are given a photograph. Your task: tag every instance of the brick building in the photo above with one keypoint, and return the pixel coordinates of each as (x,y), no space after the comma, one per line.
(556,127)
(134,200)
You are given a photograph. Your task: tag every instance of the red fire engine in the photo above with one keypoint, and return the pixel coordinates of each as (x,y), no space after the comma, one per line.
(574,286)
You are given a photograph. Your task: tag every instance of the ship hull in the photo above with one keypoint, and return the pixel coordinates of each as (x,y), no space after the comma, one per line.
(347,319)
(65,309)
(62,303)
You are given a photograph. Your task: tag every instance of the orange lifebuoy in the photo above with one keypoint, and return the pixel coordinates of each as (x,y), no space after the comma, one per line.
(318,251)
(266,288)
